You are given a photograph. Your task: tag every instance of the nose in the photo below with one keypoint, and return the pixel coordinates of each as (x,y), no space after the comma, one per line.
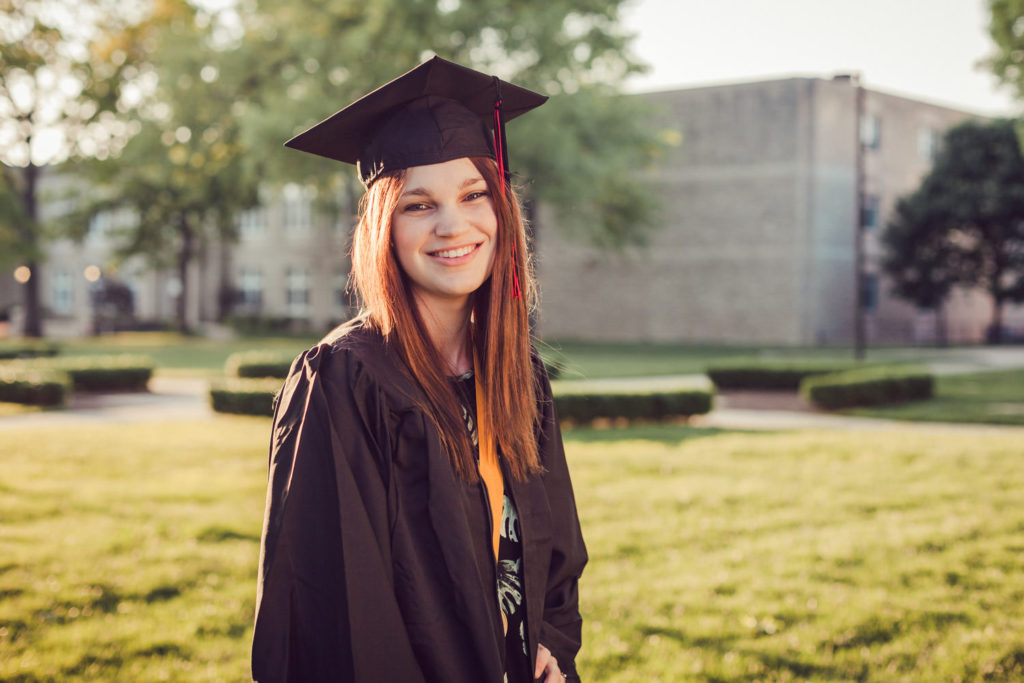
(451,222)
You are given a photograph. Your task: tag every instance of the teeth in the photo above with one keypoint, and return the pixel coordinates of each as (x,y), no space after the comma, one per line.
(455,253)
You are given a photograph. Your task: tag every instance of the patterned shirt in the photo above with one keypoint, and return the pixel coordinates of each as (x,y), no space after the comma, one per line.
(510,557)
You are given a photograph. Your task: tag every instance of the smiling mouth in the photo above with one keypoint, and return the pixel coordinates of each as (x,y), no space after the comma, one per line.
(456,252)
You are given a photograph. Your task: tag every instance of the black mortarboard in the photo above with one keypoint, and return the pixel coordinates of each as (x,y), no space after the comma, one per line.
(437,112)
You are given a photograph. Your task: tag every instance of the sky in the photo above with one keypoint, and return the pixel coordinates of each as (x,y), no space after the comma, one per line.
(925,49)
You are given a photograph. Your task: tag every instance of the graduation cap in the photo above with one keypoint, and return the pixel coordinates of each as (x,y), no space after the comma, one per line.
(436,112)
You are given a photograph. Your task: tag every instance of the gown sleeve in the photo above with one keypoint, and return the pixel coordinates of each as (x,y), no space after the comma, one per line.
(561,626)
(318,616)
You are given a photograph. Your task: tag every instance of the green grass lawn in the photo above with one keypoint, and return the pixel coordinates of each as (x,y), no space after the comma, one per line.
(715,556)
(175,354)
(982,397)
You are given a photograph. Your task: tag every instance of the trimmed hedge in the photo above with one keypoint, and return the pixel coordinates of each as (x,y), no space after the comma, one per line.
(244,396)
(775,375)
(868,387)
(107,373)
(28,350)
(30,386)
(584,406)
(256,364)
(256,397)
(97,373)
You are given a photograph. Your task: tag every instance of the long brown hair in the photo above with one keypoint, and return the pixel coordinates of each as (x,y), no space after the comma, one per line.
(501,333)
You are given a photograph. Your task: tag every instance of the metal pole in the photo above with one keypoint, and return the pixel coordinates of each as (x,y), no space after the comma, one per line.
(860,332)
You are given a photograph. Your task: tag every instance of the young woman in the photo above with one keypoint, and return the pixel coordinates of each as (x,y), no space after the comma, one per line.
(420,520)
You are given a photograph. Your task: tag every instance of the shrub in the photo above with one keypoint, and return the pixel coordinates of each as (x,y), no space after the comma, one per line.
(109,373)
(255,364)
(244,396)
(774,375)
(868,387)
(31,386)
(97,373)
(584,406)
(28,350)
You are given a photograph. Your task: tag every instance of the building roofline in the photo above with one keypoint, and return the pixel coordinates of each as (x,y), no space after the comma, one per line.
(709,85)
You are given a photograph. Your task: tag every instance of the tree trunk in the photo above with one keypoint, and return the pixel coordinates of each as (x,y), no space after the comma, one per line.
(225,291)
(941,332)
(184,256)
(995,329)
(33,326)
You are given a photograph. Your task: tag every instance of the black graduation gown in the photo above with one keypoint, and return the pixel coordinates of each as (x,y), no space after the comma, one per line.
(375,561)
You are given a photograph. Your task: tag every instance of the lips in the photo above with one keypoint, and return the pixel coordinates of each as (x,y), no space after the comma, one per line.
(455,252)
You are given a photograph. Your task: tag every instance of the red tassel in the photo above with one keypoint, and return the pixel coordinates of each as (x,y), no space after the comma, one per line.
(499,143)
(501,156)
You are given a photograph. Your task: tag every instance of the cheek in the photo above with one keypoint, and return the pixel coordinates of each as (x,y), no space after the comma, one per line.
(404,241)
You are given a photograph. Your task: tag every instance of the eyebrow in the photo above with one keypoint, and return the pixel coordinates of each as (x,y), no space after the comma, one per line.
(423,192)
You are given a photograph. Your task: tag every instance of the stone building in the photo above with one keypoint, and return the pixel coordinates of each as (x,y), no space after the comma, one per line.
(759,226)
(756,243)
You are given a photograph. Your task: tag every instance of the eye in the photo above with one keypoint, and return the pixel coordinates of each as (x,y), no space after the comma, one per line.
(476,194)
(414,207)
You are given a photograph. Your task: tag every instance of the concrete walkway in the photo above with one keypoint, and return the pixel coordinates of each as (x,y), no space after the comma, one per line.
(168,399)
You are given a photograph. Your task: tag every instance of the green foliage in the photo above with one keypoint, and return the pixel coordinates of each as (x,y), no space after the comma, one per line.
(868,387)
(32,386)
(181,177)
(28,350)
(774,375)
(63,66)
(1004,27)
(964,225)
(582,152)
(921,260)
(257,364)
(586,406)
(244,396)
(107,373)
(97,373)
(991,397)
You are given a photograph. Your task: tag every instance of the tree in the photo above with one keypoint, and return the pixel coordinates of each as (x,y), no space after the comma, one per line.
(923,263)
(585,151)
(1007,30)
(182,176)
(965,223)
(62,67)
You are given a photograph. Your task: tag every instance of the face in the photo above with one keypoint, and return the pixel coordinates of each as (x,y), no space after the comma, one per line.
(444,230)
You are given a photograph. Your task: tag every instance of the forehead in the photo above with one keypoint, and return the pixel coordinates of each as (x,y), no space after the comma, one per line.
(447,174)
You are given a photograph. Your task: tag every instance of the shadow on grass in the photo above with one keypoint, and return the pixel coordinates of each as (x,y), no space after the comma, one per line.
(666,433)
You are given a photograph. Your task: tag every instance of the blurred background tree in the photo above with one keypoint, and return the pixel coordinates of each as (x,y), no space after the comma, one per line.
(225,84)
(964,225)
(584,152)
(63,68)
(183,176)
(1006,27)
(922,262)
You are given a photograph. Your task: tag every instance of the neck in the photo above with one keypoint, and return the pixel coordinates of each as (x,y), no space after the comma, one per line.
(447,324)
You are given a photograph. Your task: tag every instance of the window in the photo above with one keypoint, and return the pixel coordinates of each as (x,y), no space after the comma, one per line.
(62,295)
(869,212)
(870,299)
(927,143)
(250,285)
(297,290)
(99,224)
(252,223)
(297,209)
(871,131)
(105,223)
